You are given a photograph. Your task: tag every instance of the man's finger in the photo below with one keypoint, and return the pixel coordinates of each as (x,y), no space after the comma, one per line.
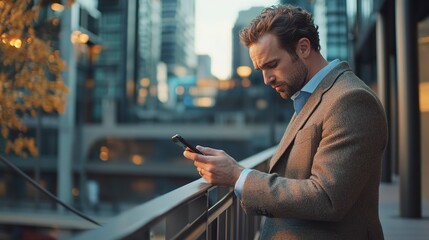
(195,156)
(209,151)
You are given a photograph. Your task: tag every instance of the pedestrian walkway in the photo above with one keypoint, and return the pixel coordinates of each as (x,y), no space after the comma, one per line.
(395,227)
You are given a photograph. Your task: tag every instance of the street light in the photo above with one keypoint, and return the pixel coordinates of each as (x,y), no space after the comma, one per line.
(244,72)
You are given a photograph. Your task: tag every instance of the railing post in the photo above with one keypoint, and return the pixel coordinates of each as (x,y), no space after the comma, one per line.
(175,221)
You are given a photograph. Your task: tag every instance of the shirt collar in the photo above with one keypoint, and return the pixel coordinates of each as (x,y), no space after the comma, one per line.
(317,78)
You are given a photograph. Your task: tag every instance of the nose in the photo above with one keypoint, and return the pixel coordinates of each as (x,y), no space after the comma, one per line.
(268,78)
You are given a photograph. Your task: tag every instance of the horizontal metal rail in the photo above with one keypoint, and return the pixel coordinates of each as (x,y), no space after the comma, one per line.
(197,210)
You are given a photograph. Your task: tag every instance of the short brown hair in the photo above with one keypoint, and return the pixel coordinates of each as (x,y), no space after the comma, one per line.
(287,22)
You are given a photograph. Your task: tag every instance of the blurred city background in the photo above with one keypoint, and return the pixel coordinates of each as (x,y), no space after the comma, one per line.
(140,71)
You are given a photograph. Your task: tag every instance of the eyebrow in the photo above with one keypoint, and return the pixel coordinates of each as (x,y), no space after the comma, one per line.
(265,64)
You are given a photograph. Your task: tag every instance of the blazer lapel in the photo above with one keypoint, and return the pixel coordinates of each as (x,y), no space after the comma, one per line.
(297,121)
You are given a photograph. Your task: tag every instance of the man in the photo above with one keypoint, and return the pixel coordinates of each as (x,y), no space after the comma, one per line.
(324,177)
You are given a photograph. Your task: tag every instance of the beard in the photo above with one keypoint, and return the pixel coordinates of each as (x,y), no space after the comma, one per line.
(294,81)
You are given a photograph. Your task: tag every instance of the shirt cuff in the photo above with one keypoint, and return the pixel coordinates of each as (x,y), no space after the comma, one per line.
(238,188)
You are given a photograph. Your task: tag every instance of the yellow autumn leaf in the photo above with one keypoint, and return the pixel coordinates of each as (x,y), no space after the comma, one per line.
(4,132)
(30,76)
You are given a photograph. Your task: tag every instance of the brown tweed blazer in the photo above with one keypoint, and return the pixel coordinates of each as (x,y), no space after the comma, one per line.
(324,178)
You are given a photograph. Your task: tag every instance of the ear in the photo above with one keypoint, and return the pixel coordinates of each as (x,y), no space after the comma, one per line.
(303,47)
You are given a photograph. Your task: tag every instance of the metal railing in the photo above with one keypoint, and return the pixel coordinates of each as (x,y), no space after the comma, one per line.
(197,210)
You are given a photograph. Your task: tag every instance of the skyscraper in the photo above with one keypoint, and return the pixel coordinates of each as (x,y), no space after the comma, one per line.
(149,54)
(336,29)
(178,37)
(240,54)
(115,77)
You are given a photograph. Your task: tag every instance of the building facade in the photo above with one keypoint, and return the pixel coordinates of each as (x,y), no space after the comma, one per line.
(178,37)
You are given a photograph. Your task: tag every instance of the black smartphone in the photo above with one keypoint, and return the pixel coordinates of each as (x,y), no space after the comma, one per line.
(179,140)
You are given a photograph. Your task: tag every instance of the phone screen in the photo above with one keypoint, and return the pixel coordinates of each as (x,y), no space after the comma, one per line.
(179,140)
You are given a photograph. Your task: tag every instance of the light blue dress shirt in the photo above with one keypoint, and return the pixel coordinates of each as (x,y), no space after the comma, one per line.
(309,87)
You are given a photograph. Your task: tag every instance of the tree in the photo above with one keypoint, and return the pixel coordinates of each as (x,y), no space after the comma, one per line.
(30,72)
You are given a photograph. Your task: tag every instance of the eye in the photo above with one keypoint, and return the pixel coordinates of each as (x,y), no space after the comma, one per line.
(272,64)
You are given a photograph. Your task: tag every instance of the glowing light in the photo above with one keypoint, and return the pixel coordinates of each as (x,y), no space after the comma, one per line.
(75,192)
(207,83)
(137,159)
(96,50)
(57,7)
(142,92)
(75,36)
(202,91)
(163,92)
(204,102)
(104,153)
(142,186)
(130,88)
(244,71)
(424,96)
(180,71)
(226,84)
(18,43)
(15,42)
(83,38)
(145,82)
(245,83)
(261,104)
(424,39)
(79,37)
(55,21)
(142,96)
(104,156)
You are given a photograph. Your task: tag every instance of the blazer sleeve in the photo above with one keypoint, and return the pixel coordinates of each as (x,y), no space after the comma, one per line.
(346,163)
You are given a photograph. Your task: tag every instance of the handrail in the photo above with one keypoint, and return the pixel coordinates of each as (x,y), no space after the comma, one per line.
(185,213)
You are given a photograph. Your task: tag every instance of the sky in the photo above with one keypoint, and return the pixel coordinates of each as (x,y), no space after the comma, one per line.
(214,20)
